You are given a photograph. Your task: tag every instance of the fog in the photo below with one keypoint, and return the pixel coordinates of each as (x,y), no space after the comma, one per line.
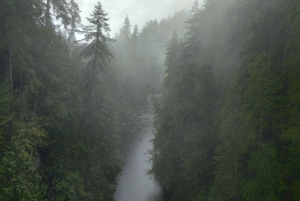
(139,11)
(149,100)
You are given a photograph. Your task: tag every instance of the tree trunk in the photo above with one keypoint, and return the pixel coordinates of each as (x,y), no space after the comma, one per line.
(285,47)
(270,47)
(11,90)
(236,162)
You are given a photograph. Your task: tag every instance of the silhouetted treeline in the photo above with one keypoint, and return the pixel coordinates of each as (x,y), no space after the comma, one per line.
(228,124)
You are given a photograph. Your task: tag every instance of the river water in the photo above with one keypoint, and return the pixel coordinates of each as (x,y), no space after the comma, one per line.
(135,184)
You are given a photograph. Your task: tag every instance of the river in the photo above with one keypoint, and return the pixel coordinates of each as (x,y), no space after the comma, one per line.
(135,184)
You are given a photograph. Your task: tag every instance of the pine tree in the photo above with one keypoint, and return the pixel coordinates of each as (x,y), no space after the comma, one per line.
(95,34)
(171,61)
(258,102)
(75,19)
(186,133)
(125,32)
(192,42)
(99,121)
(135,34)
(165,156)
(60,9)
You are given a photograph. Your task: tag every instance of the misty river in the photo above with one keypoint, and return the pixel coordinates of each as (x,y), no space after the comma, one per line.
(135,184)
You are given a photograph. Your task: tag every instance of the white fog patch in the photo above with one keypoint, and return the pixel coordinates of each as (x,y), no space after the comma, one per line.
(139,11)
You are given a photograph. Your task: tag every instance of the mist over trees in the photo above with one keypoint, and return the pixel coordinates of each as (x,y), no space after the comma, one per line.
(139,56)
(62,104)
(227,124)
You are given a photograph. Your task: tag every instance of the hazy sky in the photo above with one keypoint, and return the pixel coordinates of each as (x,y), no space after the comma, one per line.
(139,11)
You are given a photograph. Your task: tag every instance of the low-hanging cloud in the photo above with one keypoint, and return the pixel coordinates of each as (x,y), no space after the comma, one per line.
(139,11)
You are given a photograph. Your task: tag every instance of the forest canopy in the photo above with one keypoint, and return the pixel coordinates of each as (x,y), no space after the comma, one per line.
(227,123)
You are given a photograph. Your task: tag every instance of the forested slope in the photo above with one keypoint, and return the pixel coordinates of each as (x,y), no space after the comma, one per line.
(229,119)
(228,124)
(64,103)
(139,55)
(58,127)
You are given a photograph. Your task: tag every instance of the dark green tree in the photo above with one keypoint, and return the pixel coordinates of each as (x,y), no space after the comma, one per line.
(60,11)
(186,133)
(99,120)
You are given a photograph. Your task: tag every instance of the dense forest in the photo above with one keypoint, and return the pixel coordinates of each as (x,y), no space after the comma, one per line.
(65,103)
(58,116)
(227,124)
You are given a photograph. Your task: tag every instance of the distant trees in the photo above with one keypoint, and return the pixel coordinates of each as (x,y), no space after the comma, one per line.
(135,34)
(138,57)
(125,31)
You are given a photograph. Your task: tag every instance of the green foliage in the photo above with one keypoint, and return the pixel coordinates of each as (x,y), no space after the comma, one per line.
(60,11)
(75,19)
(256,113)
(218,137)
(20,162)
(50,147)
(256,153)
(186,137)
(70,187)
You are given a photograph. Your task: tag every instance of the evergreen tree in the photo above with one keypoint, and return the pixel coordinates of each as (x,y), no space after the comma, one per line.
(218,138)
(186,131)
(44,144)
(165,156)
(135,34)
(75,20)
(125,32)
(60,9)
(99,121)
(192,42)
(258,99)
(21,134)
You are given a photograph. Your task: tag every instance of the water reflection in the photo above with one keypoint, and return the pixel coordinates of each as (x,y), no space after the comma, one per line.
(134,183)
